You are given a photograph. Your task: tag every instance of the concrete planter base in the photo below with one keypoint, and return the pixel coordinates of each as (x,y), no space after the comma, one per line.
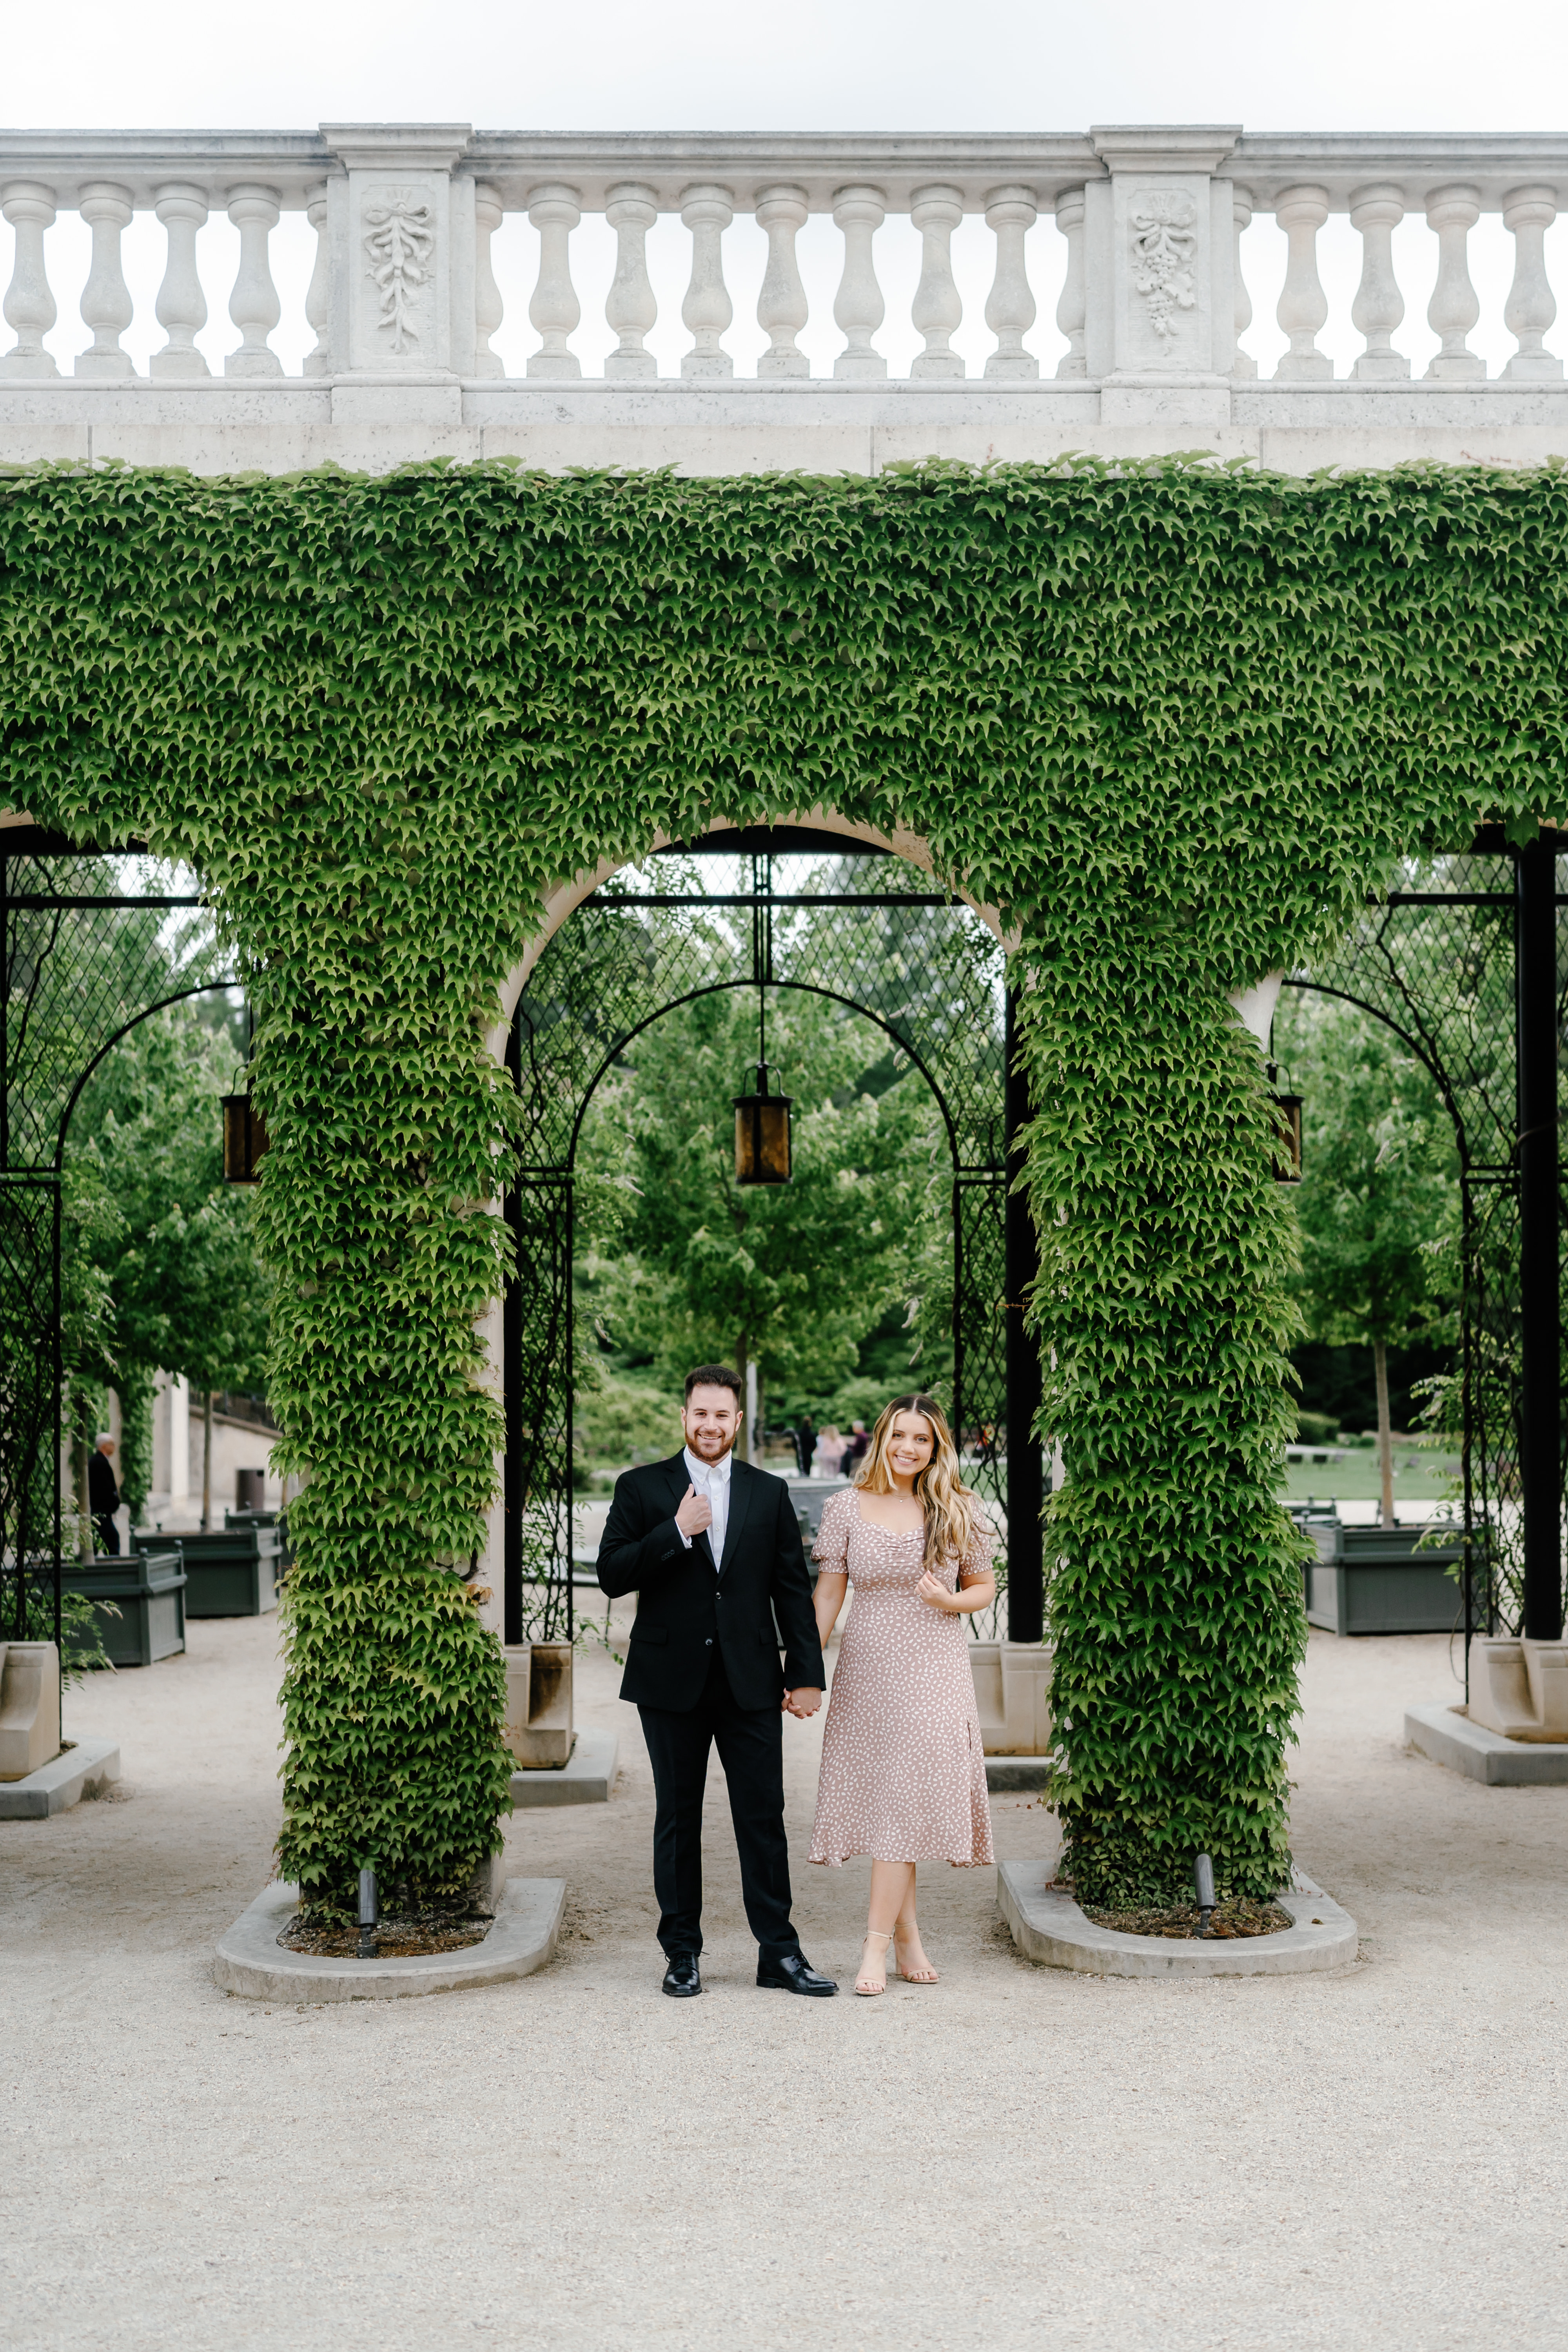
(1445,1736)
(1051,1928)
(585,1778)
(251,1960)
(88,1764)
(1006,1773)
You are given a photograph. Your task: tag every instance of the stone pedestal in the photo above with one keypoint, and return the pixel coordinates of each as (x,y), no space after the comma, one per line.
(400,232)
(1012,1691)
(1521,1688)
(1159,234)
(29,1708)
(538,1704)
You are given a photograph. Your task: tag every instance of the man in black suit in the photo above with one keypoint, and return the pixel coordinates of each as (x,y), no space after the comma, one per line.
(711,1549)
(103,1495)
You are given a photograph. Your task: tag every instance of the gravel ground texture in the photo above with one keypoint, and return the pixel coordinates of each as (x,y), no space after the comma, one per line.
(1015,2156)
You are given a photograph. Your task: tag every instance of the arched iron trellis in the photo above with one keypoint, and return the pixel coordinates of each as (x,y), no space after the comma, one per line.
(86,953)
(856,927)
(1447,963)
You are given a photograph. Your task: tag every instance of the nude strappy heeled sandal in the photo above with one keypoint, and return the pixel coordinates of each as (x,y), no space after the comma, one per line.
(862,1987)
(927,1975)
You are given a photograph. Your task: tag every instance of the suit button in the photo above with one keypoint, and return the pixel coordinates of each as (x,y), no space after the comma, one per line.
(708,1644)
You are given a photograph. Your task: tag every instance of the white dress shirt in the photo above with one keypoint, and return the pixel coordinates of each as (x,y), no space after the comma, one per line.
(713,1479)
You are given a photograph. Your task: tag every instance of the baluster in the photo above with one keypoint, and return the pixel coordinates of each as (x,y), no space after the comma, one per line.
(182,306)
(707,310)
(782,306)
(319,293)
(488,308)
(106,305)
(1379,305)
(858,306)
(1010,213)
(29,207)
(556,212)
(631,307)
(1530,212)
(1303,306)
(937,308)
(1073,307)
(1243,365)
(1453,310)
(254,305)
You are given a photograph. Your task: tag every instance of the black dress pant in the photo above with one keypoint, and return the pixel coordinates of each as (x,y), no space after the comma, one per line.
(751,1750)
(107,1534)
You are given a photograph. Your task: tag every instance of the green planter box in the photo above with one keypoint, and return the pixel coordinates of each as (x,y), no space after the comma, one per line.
(231,1574)
(1375,1581)
(279,1519)
(149,1590)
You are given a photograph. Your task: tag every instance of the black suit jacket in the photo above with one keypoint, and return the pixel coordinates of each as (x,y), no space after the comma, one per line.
(686,1606)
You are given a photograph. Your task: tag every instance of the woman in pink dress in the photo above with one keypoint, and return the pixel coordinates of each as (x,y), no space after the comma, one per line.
(903,1773)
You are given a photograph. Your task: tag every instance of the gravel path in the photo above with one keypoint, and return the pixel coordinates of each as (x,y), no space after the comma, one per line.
(1017,2157)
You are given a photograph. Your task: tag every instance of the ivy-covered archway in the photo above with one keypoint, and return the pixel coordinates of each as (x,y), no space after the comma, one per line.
(1173,720)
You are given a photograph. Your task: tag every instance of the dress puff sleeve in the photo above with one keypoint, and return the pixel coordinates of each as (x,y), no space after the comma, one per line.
(831,1549)
(976,1561)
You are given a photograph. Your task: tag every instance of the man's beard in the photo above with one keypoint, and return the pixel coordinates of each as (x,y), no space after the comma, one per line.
(707,1439)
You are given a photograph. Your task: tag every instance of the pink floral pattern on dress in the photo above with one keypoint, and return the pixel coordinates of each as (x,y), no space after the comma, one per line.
(903,1773)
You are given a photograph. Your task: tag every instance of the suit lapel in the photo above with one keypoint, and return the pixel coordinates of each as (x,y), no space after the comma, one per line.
(679,1479)
(742,1485)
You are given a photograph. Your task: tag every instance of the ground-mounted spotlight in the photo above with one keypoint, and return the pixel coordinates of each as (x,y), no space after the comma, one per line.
(244,1139)
(1202,1887)
(369,1913)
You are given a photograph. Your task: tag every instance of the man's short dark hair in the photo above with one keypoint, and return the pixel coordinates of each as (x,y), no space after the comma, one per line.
(713,1376)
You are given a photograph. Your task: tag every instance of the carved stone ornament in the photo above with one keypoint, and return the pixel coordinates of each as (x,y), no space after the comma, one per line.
(399,243)
(1164,244)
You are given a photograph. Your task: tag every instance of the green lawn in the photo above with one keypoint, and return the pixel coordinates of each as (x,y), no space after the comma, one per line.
(1418,1477)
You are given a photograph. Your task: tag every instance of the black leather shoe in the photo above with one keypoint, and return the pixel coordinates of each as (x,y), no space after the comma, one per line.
(792,1973)
(680,1978)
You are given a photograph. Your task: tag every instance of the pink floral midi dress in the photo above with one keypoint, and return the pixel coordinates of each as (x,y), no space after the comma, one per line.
(903,1773)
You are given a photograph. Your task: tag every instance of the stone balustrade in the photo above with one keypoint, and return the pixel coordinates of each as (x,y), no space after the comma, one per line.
(1157,277)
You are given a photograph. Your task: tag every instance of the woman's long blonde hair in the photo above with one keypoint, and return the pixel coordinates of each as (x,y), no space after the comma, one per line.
(949,1505)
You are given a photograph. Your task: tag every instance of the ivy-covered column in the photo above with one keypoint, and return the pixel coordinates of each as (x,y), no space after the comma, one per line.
(1174,1576)
(387,1118)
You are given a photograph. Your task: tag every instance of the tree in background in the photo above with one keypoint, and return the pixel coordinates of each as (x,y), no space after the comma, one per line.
(187,1291)
(1379,1200)
(685,1263)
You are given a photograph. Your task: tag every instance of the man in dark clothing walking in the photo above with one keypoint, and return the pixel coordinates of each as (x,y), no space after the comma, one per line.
(103,1495)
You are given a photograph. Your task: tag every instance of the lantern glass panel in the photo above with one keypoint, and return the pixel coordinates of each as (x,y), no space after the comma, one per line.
(244,1139)
(761,1139)
(1288,1118)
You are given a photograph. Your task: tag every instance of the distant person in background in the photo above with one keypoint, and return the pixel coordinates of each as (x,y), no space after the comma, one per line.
(829,1454)
(804,1444)
(857,1447)
(103,1495)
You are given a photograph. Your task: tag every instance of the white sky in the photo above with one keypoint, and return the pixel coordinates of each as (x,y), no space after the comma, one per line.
(855,64)
(963,65)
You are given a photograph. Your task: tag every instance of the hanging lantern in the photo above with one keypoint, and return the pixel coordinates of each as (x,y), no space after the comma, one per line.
(244,1139)
(762,1135)
(1288,1120)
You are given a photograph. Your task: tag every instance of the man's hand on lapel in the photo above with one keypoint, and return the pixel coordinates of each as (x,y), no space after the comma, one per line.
(693,1513)
(803,1702)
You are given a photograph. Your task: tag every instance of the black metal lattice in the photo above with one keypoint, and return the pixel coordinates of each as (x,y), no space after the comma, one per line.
(859,927)
(1438,961)
(90,944)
